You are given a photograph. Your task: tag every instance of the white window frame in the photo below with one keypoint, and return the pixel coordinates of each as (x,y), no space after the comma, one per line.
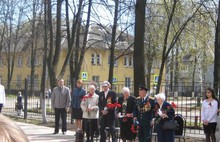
(96,78)
(1,61)
(20,59)
(98,59)
(93,60)
(36,60)
(19,80)
(128,61)
(128,82)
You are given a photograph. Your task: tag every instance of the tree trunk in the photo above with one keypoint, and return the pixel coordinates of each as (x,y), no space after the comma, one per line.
(217,53)
(43,79)
(112,47)
(54,56)
(71,36)
(139,60)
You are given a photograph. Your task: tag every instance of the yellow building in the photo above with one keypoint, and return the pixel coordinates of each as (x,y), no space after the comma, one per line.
(95,65)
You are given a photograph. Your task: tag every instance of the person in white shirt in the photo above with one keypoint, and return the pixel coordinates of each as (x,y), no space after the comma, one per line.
(209,115)
(2,97)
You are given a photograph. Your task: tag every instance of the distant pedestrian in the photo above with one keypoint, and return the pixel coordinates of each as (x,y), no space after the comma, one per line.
(77,96)
(19,104)
(10,131)
(209,114)
(60,101)
(2,97)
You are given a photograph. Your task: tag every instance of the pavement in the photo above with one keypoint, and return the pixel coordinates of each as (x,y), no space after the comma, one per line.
(38,133)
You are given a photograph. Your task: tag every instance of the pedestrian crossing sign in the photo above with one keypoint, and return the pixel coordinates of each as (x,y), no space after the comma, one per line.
(84,76)
(156,78)
(114,80)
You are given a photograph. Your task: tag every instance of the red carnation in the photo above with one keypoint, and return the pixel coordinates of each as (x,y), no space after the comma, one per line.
(173,105)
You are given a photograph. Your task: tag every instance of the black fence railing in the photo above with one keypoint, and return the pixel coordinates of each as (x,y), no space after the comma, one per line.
(187,98)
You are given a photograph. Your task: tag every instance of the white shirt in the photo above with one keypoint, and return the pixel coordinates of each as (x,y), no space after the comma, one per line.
(2,94)
(106,93)
(209,110)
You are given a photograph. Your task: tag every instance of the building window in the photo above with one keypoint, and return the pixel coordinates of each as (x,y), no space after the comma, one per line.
(93,59)
(184,68)
(96,59)
(36,60)
(19,61)
(128,61)
(28,61)
(127,82)
(36,84)
(11,60)
(28,79)
(19,81)
(95,78)
(115,61)
(1,61)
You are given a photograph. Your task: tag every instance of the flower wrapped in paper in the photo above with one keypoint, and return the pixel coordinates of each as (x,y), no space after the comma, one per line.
(159,112)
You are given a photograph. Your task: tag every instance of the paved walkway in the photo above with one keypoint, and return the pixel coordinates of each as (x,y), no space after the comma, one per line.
(38,133)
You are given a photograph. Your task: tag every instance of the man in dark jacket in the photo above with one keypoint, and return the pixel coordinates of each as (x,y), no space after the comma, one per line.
(60,101)
(107,118)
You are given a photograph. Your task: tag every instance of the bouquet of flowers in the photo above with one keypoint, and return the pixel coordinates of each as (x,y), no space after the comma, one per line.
(158,112)
(112,106)
(135,127)
(86,97)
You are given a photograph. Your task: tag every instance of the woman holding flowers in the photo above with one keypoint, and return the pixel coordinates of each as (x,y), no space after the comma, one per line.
(90,110)
(164,112)
(125,114)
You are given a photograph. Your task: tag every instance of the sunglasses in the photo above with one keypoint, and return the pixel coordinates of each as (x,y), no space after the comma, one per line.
(210,104)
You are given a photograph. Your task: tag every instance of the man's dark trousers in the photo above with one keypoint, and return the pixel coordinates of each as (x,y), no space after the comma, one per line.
(60,112)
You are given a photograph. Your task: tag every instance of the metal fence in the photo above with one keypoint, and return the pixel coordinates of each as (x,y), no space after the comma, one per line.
(188,103)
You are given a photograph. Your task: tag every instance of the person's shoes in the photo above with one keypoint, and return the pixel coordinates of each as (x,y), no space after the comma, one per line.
(96,135)
(55,133)
(64,133)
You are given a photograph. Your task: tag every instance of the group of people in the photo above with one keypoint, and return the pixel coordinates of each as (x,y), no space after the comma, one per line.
(93,111)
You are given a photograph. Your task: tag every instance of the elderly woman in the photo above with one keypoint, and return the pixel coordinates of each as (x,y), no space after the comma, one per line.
(125,114)
(164,112)
(90,109)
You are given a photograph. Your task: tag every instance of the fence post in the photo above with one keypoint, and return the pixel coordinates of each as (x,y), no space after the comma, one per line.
(196,122)
(25,98)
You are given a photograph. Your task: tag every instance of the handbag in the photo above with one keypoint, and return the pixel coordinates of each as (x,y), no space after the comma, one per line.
(170,125)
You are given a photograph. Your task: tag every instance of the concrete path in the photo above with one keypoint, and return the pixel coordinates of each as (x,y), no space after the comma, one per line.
(38,133)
